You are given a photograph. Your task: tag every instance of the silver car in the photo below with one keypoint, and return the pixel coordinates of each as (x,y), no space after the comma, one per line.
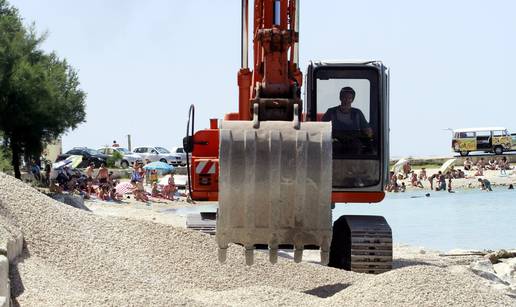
(128,157)
(156,153)
(180,151)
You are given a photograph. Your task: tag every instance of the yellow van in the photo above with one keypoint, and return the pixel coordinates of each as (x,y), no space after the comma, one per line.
(487,139)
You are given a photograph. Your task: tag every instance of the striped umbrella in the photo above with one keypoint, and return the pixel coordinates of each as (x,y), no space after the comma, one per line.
(123,188)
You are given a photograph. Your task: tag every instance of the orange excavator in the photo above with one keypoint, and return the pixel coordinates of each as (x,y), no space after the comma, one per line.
(278,166)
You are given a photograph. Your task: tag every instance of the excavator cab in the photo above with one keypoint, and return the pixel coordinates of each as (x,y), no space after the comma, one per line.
(354,97)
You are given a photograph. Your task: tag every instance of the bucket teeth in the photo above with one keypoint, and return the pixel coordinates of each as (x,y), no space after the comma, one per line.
(325,251)
(249,255)
(298,254)
(223,252)
(275,185)
(273,254)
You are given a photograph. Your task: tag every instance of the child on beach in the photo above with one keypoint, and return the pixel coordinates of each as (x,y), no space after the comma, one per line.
(170,189)
(503,165)
(441,180)
(406,170)
(139,191)
(468,164)
(449,185)
(153,176)
(481,164)
(415,182)
(155,191)
(480,172)
(431,180)
(485,185)
(422,174)
(103,192)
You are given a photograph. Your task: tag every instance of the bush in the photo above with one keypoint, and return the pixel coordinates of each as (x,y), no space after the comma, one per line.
(5,160)
(112,160)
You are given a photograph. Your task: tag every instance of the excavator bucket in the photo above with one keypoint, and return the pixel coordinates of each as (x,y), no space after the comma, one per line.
(275,186)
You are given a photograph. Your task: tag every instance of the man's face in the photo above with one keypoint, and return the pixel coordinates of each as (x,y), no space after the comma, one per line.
(345,100)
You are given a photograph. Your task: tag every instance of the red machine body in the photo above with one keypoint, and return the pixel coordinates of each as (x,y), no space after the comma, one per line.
(273,84)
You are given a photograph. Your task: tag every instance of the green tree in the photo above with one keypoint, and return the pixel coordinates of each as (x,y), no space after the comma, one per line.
(40,98)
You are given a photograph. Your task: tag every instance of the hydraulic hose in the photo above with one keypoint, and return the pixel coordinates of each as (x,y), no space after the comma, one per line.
(189,143)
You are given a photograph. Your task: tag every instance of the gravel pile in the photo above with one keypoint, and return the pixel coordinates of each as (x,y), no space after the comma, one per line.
(73,257)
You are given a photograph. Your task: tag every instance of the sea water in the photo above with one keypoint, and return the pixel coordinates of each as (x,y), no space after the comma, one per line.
(467,219)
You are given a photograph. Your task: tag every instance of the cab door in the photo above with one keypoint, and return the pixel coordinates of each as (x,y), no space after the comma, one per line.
(360,128)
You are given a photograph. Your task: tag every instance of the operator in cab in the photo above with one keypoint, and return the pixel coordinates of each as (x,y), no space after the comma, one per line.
(351,132)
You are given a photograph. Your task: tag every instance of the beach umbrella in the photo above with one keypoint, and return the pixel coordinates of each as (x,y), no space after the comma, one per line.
(60,164)
(159,166)
(447,165)
(123,188)
(76,160)
(72,161)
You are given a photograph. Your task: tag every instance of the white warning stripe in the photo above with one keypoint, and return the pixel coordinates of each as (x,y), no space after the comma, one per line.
(205,167)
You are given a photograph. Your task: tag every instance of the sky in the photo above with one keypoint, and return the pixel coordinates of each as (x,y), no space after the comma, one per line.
(143,63)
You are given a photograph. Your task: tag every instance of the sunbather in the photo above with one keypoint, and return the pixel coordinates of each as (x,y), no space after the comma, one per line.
(170,189)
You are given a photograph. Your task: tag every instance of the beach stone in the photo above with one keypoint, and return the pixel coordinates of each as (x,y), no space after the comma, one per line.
(482,265)
(495,257)
(510,261)
(506,272)
(5,289)
(75,201)
(484,268)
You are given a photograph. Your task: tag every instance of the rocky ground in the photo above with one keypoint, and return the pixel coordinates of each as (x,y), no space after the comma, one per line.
(77,257)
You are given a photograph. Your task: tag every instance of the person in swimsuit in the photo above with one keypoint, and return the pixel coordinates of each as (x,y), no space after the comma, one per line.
(103,174)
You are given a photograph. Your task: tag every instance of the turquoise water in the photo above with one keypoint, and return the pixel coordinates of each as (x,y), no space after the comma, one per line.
(469,219)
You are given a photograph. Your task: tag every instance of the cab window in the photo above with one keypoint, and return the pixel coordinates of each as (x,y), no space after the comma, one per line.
(349,99)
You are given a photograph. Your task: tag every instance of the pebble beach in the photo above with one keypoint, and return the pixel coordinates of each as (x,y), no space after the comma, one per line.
(74,257)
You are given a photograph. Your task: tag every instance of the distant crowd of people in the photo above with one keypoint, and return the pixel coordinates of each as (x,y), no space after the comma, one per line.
(493,164)
(443,181)
(102,183)
(139,175)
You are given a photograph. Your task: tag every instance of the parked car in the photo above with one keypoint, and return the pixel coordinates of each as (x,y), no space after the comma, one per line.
(156,153)
(128,157)
(180,151)
(88,155)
